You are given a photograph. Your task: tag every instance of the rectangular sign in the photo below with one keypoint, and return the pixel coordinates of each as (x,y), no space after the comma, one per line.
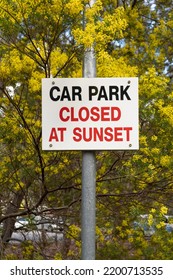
(90,114)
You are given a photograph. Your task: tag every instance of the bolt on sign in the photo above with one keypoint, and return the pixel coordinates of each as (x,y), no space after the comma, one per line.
(90,114)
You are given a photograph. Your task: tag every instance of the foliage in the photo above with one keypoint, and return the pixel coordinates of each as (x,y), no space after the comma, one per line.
(46,39)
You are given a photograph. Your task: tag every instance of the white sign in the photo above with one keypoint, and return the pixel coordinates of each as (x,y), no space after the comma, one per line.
(90,114)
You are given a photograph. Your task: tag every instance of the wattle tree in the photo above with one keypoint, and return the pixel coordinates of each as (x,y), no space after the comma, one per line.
(43,39)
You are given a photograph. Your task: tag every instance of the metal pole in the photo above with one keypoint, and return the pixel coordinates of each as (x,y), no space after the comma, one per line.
(88,176)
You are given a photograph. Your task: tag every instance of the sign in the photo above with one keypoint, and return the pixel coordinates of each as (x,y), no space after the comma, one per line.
(90,114)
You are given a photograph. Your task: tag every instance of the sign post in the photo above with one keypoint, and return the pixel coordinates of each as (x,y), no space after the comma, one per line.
(88,175)
(89,114)
(88,179)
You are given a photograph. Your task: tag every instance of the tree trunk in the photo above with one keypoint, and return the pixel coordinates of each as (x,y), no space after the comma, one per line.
(13,207)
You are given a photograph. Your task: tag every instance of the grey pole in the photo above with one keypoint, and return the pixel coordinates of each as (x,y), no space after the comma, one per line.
(88,175)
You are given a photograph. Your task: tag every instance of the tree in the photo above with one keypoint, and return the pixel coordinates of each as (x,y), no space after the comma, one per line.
(131,39)
(28,54)
(147,180)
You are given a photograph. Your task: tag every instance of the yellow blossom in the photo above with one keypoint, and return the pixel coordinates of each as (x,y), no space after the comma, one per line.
(124,223)
(154,138)
(165,160)
(150,220)
(163,210)
(160,225)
